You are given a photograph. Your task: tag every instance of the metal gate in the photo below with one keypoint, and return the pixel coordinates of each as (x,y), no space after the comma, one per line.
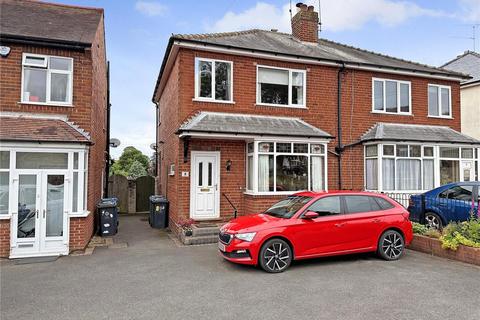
(145,187)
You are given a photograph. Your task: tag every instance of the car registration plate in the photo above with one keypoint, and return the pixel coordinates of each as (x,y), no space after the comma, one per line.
(221,246)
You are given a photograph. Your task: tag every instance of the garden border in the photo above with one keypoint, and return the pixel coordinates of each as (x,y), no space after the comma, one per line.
(434,247)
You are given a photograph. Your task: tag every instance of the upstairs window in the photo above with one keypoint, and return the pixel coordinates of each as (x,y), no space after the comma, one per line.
(281,87)
(213,80)
(47,79)
(391,96)
(439,101)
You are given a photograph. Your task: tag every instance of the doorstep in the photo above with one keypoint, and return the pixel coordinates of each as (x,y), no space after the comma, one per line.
(202,233)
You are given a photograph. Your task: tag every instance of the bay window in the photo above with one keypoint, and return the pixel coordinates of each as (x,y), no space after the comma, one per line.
(439,101)
(46,79)
(281,87)
(213,80)
(408,167)
(275,167)
(391,96)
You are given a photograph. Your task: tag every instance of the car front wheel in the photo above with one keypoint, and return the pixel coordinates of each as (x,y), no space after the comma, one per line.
(275,256)
(391,245)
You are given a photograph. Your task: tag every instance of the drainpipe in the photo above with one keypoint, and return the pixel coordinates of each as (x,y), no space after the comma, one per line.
(339,148)
(156,147)
(107,145)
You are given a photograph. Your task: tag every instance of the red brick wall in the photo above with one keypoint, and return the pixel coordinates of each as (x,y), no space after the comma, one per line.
(4,238)
(88,110)
(321,112)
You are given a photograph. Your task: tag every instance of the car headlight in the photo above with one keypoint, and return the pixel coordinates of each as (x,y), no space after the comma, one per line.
(246,236)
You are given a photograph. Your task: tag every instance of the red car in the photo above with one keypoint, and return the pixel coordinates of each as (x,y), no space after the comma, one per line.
(309,224)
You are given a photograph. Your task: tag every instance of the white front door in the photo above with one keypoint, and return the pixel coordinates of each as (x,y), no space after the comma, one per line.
(205,185)
(40,227)
(467,172)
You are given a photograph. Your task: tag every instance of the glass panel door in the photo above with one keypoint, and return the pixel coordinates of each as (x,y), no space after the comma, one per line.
(54,206)
(27,206)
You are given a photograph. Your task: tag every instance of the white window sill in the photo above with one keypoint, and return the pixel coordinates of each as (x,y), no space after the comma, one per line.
(279,193)
(440,117)
(53,104)
(393,113)
(81,214)
(213,101)
(5,216)
(258,104)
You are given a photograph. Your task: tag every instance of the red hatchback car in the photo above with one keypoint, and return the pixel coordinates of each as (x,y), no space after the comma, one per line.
(308,225)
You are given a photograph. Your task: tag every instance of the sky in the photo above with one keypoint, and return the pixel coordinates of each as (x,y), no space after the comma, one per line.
(137,32)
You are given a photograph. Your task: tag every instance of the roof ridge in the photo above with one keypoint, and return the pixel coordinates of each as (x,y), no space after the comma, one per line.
(213,34)
(388,56)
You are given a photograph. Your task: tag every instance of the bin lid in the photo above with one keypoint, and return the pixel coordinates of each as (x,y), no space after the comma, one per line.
(107,203)
(157,199)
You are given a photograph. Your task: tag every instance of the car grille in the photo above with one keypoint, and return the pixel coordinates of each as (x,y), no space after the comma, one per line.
(225,237)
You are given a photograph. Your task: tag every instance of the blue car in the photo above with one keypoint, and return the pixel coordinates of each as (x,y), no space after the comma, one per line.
(451,202)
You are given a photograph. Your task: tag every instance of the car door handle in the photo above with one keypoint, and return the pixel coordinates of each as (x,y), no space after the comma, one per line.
(339,225)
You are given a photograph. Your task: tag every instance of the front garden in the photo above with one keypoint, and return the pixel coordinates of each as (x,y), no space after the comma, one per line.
(458,240)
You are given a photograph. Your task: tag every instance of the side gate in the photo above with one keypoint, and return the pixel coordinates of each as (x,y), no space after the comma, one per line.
(145,187)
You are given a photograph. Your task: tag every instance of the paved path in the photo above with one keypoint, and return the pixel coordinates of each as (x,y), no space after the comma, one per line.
(155,279)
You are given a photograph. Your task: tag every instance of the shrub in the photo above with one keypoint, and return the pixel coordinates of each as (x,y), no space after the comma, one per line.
(465,233)
(433,233)
(419,228)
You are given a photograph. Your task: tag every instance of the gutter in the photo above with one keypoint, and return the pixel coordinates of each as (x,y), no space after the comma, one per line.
(182,132)
(61,44)
(107,144)
(90,143)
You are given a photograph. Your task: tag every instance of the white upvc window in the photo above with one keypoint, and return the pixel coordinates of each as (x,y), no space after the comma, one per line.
(391,96)
(47,79)
(4,182)
(415,167)
(284,167)
(213,80)
(439,101)
(281,87)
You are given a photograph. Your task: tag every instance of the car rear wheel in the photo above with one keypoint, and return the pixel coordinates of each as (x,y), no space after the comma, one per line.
(275,256)
(391,245)
(433,221)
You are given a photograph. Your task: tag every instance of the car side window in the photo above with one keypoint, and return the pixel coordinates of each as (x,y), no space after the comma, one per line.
(463,193)
(384,204)
(356,204)
(327,206)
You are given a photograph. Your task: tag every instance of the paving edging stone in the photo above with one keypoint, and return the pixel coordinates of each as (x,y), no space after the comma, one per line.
(434,247)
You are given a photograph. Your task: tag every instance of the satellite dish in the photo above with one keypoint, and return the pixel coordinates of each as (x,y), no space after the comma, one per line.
(153,146)
(114,142)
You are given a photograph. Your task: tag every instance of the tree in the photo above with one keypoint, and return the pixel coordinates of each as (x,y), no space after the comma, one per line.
(136,170)
(124,164)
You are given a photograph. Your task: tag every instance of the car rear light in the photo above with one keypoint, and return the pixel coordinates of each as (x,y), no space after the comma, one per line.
(406,214)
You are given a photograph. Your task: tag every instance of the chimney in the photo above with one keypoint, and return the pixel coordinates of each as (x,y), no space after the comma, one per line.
(305,23)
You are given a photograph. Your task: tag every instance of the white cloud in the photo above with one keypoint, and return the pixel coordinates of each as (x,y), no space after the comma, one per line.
(470,10)
(336,15)
(150,8)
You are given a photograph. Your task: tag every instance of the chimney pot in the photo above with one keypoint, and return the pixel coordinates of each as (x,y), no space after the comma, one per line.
(310,8)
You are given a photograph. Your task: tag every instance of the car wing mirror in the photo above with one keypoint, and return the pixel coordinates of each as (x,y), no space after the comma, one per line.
(310,215)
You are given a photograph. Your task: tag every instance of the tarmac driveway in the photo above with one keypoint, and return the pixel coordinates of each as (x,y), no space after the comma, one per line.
(153,278)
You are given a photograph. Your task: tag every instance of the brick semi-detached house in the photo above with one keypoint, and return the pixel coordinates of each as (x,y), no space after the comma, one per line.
(53,114)
(256,115)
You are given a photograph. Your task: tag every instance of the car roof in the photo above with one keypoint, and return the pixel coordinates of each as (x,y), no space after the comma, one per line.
(453,184)
(336,192)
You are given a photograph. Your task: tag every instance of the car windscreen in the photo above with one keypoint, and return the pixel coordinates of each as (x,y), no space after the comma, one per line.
(286,208)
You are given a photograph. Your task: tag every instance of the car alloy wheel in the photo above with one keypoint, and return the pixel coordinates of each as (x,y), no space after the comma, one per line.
(391,245)
(433,221)
(275,256)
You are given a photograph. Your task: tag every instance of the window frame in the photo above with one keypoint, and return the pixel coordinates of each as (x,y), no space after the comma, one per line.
(289,105)
(437,158)
(46,66)
(439,99)
(256,153)
(197,82)
(399,82)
